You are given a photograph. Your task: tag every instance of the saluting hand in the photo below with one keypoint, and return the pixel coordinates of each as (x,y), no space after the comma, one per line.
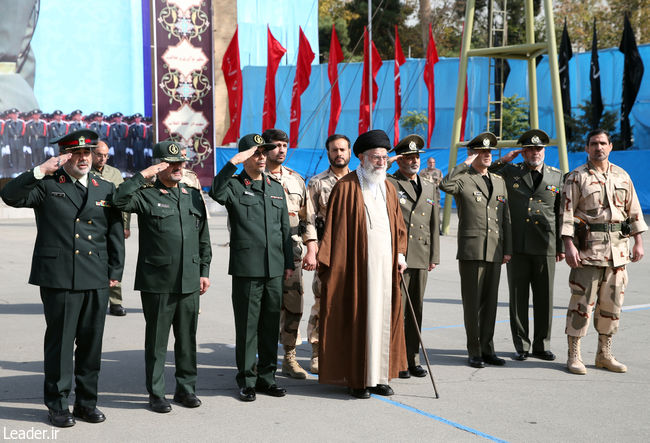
(510,156)
(51,165)
(241,157)
(154,169)
(392,159)
(470,158)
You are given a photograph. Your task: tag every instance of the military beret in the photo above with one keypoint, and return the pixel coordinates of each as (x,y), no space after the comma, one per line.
(81,139)
(411,144)
(250,140)
(533,137)
(371,140)
(169,151)
(485,140)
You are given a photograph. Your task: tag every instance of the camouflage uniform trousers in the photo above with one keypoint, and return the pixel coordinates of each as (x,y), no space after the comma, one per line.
(292,301)
(600,286)
(314,316)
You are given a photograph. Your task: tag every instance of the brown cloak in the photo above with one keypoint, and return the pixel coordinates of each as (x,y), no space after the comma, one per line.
(343,272)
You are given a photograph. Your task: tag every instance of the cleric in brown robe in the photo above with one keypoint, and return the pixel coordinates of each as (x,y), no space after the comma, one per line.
(360,260)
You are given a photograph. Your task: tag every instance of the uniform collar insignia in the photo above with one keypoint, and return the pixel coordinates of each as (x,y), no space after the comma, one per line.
(164,191)
(247,182)
(94,182)
(268,181)
(61,178)
(184,191)
(401,193)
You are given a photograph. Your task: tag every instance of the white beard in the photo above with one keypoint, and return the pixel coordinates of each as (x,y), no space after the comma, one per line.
(374,175)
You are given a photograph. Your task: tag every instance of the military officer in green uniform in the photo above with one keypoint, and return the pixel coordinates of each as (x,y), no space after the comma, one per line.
(484,244)
(261,255)
(534,194)
(420,207)
(173,269)
(78,254)
(113,175)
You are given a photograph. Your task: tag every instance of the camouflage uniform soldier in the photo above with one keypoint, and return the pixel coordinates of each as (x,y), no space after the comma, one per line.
(600,211)
(318,194)
(435,175)
(292,290)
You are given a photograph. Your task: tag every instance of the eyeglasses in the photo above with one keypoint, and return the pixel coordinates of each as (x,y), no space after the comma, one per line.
(101,155)
(377,158)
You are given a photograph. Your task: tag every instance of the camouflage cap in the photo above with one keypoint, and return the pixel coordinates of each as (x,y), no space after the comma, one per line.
(169,151)
(483,141)
(250,140)
(411,144)
(533,138)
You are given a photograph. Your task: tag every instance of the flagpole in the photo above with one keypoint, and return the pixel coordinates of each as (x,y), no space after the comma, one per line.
(370,63)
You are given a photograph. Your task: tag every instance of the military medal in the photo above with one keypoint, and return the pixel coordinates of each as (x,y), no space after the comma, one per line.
(103,204)
(402,200)
(516,185)
(478,199)
(61,178)
(553,189)
(501,198)
(431,202)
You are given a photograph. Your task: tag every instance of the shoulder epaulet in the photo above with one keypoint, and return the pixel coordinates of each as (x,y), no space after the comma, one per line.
(147,185)
(497,176)
(553,168)
(427,178)
(272,177)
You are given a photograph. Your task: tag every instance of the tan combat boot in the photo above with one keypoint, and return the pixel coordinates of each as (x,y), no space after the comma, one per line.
(574,362)
(604,357)
(290,366)
(314,358)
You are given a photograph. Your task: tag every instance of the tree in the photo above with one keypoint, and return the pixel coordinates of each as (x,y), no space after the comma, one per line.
(514,117)
(415,122)
(580,125)
(334,11)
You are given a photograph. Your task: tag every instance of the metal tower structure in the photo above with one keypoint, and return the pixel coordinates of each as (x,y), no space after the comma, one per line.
(528,51)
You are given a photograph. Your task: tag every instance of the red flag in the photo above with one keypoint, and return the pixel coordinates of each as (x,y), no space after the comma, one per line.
(399,61)
(274,54)
(432,59)
(336,57)
(300,83)
(232,74)
(364,107)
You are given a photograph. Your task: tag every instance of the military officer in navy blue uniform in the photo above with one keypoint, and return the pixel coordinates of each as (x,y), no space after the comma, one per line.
(36,138)
(15,139)
(420,206)
(261,255)
(136,144)
(55,129)
(534,194)
(99,125)
(76,119)
(117,139)
(78,254)
(173,269)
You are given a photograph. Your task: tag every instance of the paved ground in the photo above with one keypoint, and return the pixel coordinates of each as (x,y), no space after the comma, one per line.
(523,401)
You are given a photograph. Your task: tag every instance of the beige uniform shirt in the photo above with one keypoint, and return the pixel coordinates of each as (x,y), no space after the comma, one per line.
(318,194)
(435,176)
(596,198)
(296,194)
(113,175)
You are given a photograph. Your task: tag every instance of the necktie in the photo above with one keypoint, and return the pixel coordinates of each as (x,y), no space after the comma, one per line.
(416,187)
(82,190)
(537,178)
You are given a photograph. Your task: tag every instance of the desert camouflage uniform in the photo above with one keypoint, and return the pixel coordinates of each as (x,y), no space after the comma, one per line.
(600,200)
(435,176)
(292,291)
(192,180)
(318,194)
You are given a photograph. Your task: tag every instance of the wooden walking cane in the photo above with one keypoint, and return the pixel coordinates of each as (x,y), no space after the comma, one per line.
(417,329)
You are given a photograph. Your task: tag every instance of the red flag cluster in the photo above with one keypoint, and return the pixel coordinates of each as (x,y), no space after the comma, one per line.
(364,105)
(300,83)
(232,74)
(399,61)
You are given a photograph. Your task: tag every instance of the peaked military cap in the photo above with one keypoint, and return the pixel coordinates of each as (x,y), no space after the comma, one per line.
(34,111)
(250,140)
(485,140)
(81,139)
(533,137)
(75,112)
(57,112)
(169,151)
(136,115)
(12,111)
(371,140)
(411,144)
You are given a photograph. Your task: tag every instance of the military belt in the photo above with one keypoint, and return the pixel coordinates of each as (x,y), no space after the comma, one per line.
(7,68)
(605,227)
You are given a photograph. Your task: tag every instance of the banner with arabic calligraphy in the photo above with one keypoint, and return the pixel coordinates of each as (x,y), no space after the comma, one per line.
(183,78)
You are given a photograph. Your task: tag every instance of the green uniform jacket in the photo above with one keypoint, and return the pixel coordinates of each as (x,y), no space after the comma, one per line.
(78,247)
(260,237)
(483,223)
(422,219)
(534,213)
(174,241)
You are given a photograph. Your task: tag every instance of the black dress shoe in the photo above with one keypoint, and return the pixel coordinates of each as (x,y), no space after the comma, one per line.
(493,360)
(544,355)
(475,362)
(418,371)
(273,390)
(404,374)
(90,415)
(247,394)
(61,419)
(159,404)
(360,393)
(117,310)
(521,356)
(187,399)
(381,390)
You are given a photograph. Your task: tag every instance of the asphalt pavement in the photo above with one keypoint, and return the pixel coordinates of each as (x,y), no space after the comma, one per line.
(529,401)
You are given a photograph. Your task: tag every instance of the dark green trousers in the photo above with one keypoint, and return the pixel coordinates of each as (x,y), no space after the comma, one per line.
(415,281)
(73,317)
(479,285)
(256,304)
(526,272)
(163,312)
(115,295)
